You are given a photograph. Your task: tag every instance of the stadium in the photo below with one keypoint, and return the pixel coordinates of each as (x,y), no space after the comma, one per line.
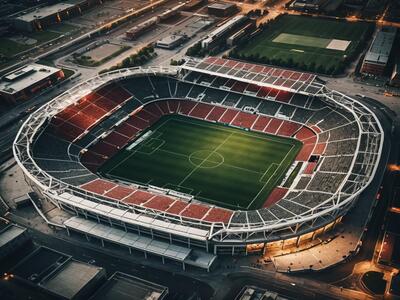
(217,155)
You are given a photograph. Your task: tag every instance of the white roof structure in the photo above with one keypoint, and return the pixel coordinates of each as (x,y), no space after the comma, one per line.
(25,77)
(381,46)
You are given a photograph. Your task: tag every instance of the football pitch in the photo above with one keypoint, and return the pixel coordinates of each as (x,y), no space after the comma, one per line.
(301,41)
(217,164)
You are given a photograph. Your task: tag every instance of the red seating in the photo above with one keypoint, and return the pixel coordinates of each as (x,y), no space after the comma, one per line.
(177,207)
(104,149)
(92,161)
(304,133)
(305,152)
(239,86)
(154,109)
(173,106)
(310,168)
(186,107)
(216,113)
(144,115)
(138,197)
(273,126)
(252,88)
(284,96)
(196,211)
(263,92)
(288,128)
(244,120)
(137,122)
(127,130)
(277,194)
(159,202)
(201,110)
(217,214)
(319,149)
(316,128)
(119,192)
(228,116)
(98,186)
(163,106)
(114,138)
(261,123)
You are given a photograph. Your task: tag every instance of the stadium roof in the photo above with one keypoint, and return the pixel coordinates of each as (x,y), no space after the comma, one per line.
(291,81)
(381,46)
(25,77)
(127,287)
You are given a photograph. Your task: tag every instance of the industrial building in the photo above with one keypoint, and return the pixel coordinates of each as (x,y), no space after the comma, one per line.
(219,35)
(127,287)
(43,17)
(395,78)
(57,274)
(11,238)
(21,84)
(222,9)
(377,57)
(171,41)
(141,28)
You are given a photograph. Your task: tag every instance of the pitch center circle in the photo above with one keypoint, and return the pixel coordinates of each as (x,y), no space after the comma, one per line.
(206,159)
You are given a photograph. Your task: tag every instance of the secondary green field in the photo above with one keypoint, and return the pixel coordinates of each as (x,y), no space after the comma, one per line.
(226,166)
(300,42)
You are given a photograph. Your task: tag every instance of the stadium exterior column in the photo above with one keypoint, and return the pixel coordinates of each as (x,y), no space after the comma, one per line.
(130,250)
(163,260)
(183,266)
(102,243)
(170,238)
(68,231)
(145,254)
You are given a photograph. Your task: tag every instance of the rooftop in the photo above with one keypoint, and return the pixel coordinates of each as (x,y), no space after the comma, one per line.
(24,77)
(126,287)
(71,279)
(381,46)
(221,5)
(10,233)
(44,12)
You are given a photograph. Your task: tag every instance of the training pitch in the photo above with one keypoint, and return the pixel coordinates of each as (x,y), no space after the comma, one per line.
(221,165)
(299,41)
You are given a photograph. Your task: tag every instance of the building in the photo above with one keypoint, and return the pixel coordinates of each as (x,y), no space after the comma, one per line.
(377,57)
(11,238)
(241,35)
(57,274)
(171,41)
(395,78)
(219,35)
(128,287)
(255,293)
(43,17)
(222,9)
(21,84)
(141,28)
(308,5)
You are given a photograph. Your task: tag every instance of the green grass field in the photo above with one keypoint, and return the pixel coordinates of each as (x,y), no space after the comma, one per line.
(278,44)
(226,166)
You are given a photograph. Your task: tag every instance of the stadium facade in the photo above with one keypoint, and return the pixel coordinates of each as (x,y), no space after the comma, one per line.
(61,146)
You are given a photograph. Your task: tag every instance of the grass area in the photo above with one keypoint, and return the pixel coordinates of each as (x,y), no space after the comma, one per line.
(277,43)
(9,48)
(64,28)
(217,164)
(86,60)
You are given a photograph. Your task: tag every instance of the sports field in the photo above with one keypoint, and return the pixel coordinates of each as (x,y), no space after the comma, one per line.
(306,43)
(225,166)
